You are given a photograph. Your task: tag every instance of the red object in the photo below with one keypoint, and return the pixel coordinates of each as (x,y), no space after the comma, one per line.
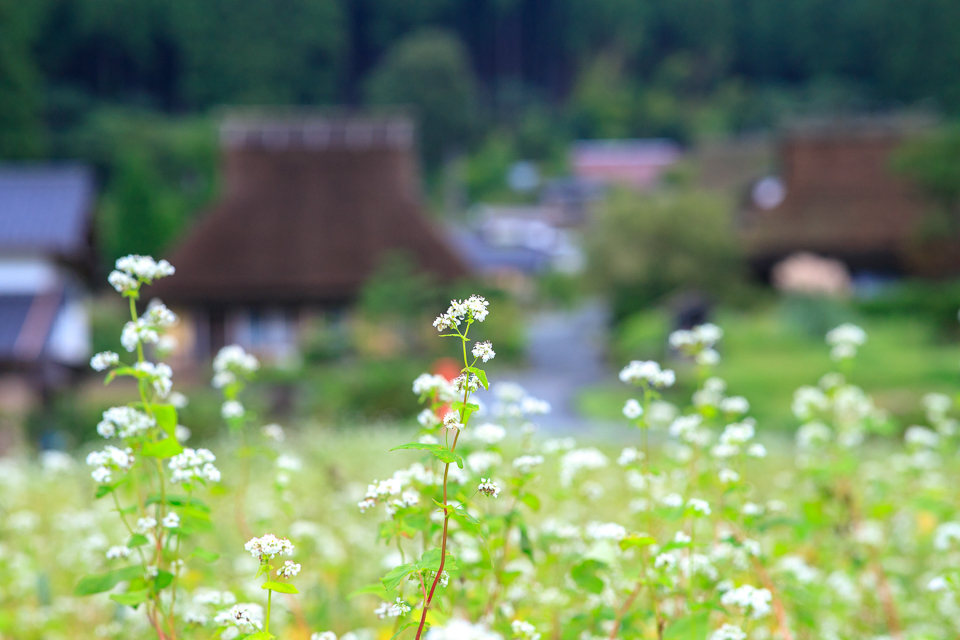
(447,367)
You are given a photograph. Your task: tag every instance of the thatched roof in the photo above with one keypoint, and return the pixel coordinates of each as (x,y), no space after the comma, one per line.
(311,208)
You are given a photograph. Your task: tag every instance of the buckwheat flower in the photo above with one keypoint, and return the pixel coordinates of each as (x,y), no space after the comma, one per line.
(122,282)
(628,456)
(289,569)
(946,535)
(799,569)
(126,422)
(665,562)
(735,404)
(808,402)
(481,461)
(104,360)
(117,551)
(751,509)
(273,432)
(525,464)
(699,507)
(728,476)
(268,547)
(129,337)
(452,421)
(530,406)
(159,315)
(488,488)
(109,460)
(178,400)
(728,632)
(234,359)
(286,462)
(937,583)
(647,372)
(738,433)
(171,520)
(845,340)
(428,419)
(484,351)
(232,409)
(921,437)
(193,464)
(489,433)
(672,500)
(146,524)
(632,409)
(159,375)
(813,435)
(755,602)
(144,267)
(152,571)
(605,531)
(757,450)
(686,427)
(324,635)
(681,537)
(246,616)
(428,439)
(572,462)
(391,610)
(465,382)
(523,630)
(708,358)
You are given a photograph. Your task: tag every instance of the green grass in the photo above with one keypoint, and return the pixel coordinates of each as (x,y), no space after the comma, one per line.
(766,357)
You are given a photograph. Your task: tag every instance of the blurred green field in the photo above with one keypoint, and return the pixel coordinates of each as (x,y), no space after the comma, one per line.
(768,354)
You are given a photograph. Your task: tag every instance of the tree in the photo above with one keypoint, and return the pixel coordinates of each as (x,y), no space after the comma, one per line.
(429,70)
(21,127)
(932,163)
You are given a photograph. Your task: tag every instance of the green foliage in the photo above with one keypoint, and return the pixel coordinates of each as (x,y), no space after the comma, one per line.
(646,247)
(398,290)
(364,388)
(21,127)
(926,301)
(932,163)
(430,71)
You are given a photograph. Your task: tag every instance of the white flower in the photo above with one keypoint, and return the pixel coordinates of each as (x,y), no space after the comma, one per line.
(480,461)
(665,561)
(728,476)
(144,267)
(146,524)
(126,422)
(530,406)
(273,432)
(605,531)
(109,460)
(428,383)
(118,552)
(686,427)
(246,616)
(937,583)
(159,375)
(698,506)
(135,332)
(459,629)
(946,534)
(523,630)
(757,450)
(525,464)
(465,382)
(268,547)
(171,520)
(921,437)
(289,569)
(488,488)
(178,400)
(845,340)
(233,359)
(672,500)
(754,601)
(647,372)
(489,433)
(452,421)
(628,456)
(193,464)
(572,462)
(738,433)
(232,409)
(394,610)
(104,360)
(728,632)
(735,404)
(324,635)
(122,282)
(473,308)
(632,409)
(708,358)
(484,351)
(812,435)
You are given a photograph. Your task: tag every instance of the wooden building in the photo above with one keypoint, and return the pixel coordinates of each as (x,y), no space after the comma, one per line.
(311,207)
(838,196)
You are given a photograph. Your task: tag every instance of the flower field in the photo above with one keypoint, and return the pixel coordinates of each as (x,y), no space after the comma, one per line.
(476,525)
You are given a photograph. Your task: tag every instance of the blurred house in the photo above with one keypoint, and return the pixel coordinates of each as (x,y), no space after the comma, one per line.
(634,163)
(836,196)
(45,257)
(311,207)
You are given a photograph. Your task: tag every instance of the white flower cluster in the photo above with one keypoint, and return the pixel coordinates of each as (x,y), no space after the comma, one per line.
(572,462)
(460,629)
(728,632)
(383,491)
(245,616)
(526,463)
(473,308)
(452,421)
(523,630)
(427,383)
(323,635)
(104,360)
(392,610)
(193,464)
(126,422)
(231,410)
(133,269)
(484,351)
(171,520)
(946,535)
(647,372)
(289,569)
(488,488)
(489,433)
(268,547)
(159,375)
(754,601)
(735,436)
(233,361)
(465,382)
(109,460)
(936,406)
(844,341)
(273,432)
(138,332)
(698,343)
(632,409)
(117,551)
(605,531)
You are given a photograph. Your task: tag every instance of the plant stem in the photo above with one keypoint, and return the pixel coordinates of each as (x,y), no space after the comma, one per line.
(269,599)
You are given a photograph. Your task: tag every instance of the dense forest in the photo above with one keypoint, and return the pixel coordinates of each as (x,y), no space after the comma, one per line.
(128,84)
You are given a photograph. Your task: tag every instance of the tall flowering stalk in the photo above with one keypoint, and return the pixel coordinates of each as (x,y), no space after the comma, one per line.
(158,520)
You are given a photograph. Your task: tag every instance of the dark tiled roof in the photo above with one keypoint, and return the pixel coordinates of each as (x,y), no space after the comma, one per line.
(45,208)
(25,324)
(307,217)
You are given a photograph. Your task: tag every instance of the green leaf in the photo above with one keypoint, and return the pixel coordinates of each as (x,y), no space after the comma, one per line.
(585,575)
(89,585)
(396,575)
(481,375)
(131,598)
(264,568)
(121,371)
(402,629)
(103,490)
(636,541)
(370,588)
(166,415)
(531,501)
(692,627)
(163,580)
(438,450)
(163,449)
(430,561)
(279,587)
(259,635)
(203,554)
(137,540)
(525,545)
